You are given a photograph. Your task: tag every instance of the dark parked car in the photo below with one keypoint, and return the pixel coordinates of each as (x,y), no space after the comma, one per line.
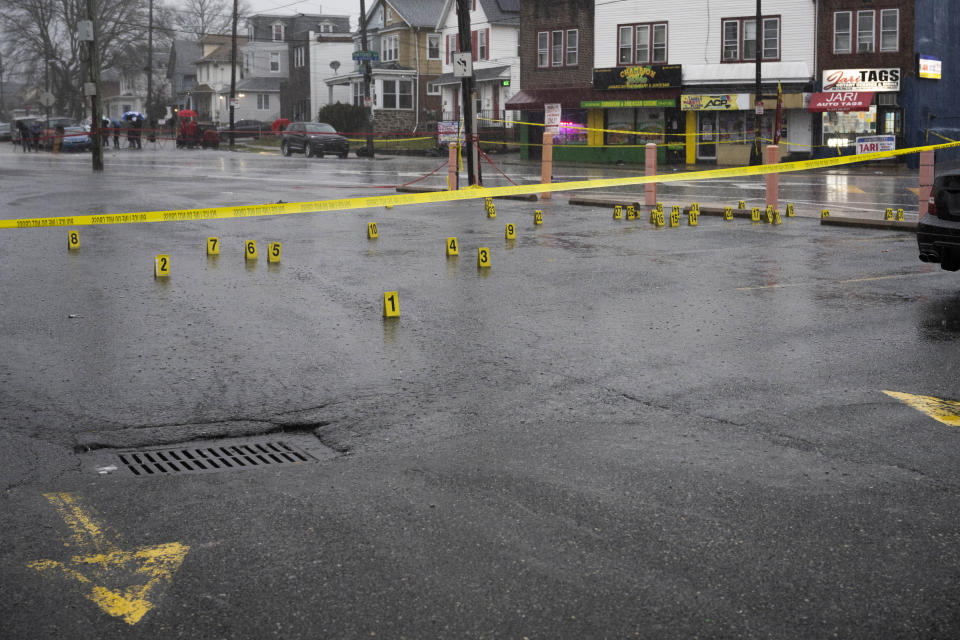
(314,139)
(75,139)
(245,129)
(5,134)
(938,232)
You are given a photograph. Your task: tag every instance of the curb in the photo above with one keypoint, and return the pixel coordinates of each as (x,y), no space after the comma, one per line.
(531,197)
(867,223)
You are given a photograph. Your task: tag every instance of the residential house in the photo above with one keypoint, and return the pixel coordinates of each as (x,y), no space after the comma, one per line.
(494,42)
(402,35)
(314,55)
(556,67)
(680,69)
(182,73)
(212,91)
(885,68)
(125,88)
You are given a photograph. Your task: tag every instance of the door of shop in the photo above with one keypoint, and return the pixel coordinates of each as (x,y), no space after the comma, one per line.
(706,135)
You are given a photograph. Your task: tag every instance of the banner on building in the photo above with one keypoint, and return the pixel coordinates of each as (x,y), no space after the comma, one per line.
(873,144)
(861,80)
(722,102)
(841,101)
(640,76)
(928,67)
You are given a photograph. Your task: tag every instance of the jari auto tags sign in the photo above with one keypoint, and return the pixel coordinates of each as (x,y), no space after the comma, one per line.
(861,80)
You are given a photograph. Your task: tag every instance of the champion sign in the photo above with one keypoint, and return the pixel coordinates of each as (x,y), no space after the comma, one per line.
(861,80)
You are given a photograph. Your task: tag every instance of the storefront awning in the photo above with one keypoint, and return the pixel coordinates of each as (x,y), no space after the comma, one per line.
(841,101)
(573,97)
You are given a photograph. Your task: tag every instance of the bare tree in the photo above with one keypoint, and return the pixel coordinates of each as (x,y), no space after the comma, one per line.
(200,17)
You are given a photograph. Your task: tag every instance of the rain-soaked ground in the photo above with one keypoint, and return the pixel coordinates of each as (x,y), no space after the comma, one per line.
(612,431)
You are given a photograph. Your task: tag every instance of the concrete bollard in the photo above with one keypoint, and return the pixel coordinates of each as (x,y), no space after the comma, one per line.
(452,168)
(546,167)
(926,180)
(773,179)
(650,167)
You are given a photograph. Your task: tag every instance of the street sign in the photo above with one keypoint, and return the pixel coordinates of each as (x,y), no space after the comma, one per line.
(462,64)
(373,56)
(47,99)
(551,118)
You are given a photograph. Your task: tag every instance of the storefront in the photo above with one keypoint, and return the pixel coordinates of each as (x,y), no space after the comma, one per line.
(721,126)
(857,102)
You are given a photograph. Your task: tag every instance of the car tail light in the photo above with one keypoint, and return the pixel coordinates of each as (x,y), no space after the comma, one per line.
(931,207)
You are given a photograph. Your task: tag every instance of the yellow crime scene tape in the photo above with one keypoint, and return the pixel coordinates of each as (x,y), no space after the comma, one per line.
(472,193)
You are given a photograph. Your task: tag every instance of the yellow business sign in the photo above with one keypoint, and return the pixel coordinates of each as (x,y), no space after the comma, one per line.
(723,102)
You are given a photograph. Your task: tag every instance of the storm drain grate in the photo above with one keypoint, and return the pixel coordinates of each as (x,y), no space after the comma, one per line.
(209,459)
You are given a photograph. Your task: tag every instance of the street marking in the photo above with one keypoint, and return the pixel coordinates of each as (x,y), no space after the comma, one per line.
(945,411)
(816,284)
(99,561)
(915,190)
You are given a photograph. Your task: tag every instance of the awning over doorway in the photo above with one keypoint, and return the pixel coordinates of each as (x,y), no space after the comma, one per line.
(841,101)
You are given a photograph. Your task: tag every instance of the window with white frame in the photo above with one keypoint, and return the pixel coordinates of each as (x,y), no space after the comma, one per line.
(275,61)
(740,39)
(433,46)
(865,31)
(842,32)
(277,31)
(397,94)
(556,49)
(543,49)
(889,29)
(433,89)
(483,51)
(357,88)
(299,57)
(263,101)
(390,48)
(642,43)
(573,44)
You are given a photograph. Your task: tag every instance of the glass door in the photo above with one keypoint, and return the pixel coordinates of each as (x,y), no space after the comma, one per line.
(707,135)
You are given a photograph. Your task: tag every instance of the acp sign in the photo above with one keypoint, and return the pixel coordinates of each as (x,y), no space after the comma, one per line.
(873,144)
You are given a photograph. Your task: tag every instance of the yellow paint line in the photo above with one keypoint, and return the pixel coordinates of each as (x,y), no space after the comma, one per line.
(853,189)
(945,411)
(851,280)
(102,562)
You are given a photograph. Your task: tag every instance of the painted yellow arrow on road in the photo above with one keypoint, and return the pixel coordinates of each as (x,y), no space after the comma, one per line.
(945,411)
(120,582)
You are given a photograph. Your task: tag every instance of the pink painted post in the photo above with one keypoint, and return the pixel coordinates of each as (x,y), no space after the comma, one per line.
(773,179)
(546,167)
(650,166)
(452,168)
(926,180)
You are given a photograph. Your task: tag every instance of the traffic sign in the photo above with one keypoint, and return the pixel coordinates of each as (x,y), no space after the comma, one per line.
(373,56)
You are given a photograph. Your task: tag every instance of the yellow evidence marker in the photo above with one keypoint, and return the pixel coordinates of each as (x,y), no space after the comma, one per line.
(741,205)
(161,266)
(73,240)
(900,215)
(391,304)
(693,215)
(483,257)
(657,217)
(213,246)
(825,214)
(728,213)
(490,207)
(755,214)
(511,232)
(776,217)
(632,212)
(250,249)
(888,214)
(790,210)
(372,233)
(452,248)
(538,217)
(273,252)
(617,212)
(768,214)
(675,216)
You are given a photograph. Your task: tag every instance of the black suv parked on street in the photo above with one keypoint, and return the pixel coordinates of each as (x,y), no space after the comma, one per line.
(938,232)
(314,139)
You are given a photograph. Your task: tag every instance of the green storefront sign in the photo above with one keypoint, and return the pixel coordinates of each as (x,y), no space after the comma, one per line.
(616,104)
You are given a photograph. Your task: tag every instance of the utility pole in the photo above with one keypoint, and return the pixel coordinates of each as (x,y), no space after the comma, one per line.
(150,122)
(366,77)
(233,69)
(466,87)
(3,103)
(96,111)
(756,155)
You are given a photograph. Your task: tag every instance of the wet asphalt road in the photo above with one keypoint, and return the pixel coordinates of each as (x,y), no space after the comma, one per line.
(615,431)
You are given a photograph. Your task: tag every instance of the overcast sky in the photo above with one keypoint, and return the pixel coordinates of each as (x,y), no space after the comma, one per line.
(331,7)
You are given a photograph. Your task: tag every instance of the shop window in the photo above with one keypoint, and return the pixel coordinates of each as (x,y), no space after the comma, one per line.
(889,29)
(397,94)
(840,129)
(865,31)
(841,32)
(573,127)
(633,126)
(740,39)
(642,43)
